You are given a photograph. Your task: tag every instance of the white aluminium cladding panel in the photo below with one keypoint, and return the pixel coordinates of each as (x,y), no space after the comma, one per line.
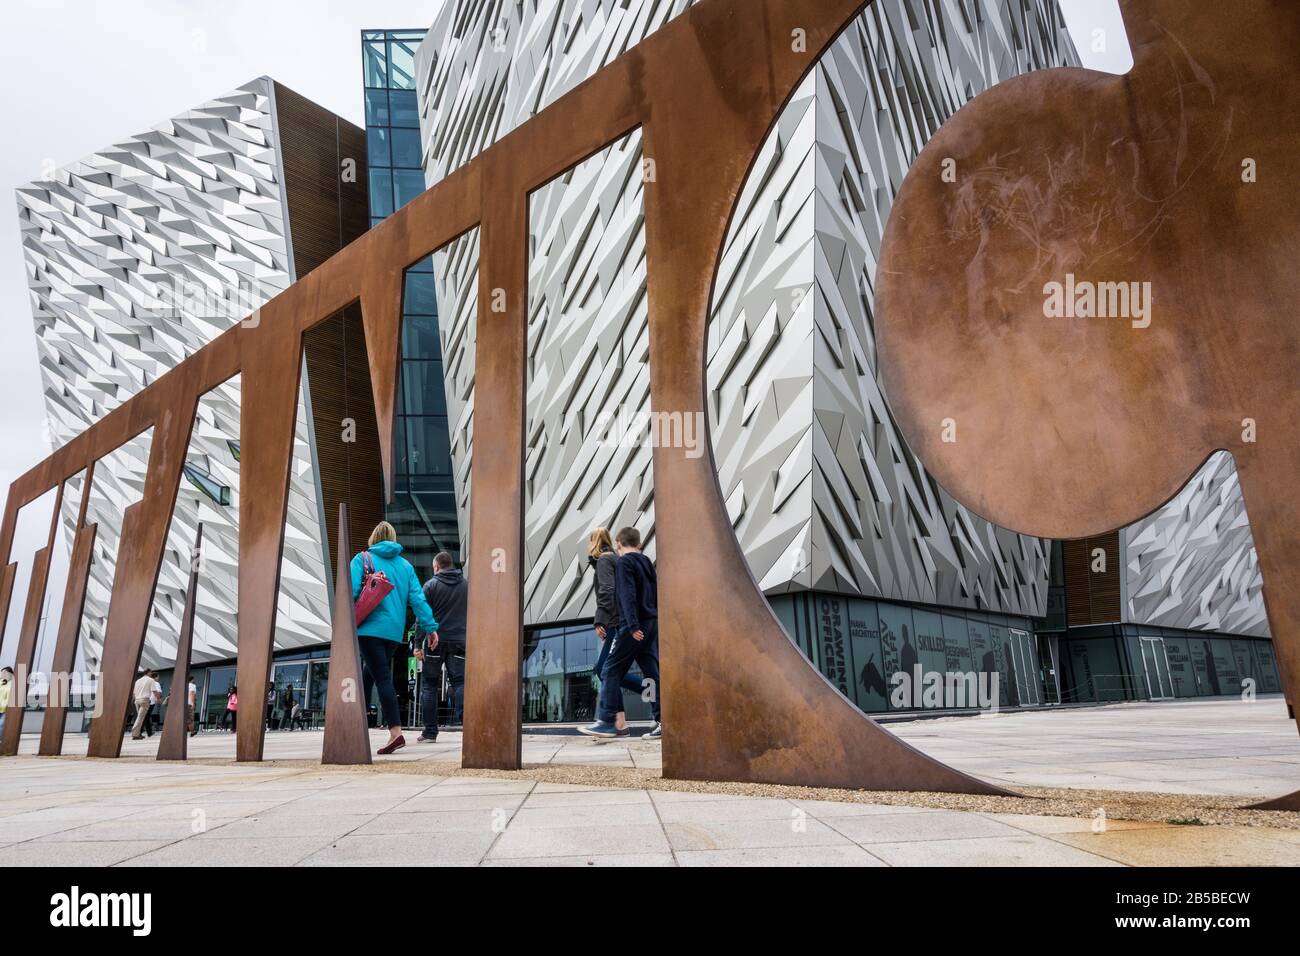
(137,256)
(823,492)
(1192,564)
(820,486)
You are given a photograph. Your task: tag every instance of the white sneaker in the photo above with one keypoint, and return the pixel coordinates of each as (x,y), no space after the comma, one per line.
(654,733)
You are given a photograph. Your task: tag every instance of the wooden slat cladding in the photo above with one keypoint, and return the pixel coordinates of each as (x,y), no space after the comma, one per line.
(339,376)
(1091,597)
(325,214)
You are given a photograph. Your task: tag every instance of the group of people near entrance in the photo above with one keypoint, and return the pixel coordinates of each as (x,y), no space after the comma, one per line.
(147,695)
(438,640)
(626,623)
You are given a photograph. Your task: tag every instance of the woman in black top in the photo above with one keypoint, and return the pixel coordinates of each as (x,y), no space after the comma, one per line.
(603,560)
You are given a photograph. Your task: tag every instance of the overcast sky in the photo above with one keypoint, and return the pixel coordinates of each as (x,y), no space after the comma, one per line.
(82,74)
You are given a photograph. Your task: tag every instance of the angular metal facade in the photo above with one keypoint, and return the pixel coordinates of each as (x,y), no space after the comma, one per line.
(823,492)
(134,256)
(1192,564)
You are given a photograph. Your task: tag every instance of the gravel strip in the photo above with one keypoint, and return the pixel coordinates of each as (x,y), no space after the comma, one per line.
(1042,801)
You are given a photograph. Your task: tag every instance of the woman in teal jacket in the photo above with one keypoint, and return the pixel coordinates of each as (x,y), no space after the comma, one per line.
(384,630)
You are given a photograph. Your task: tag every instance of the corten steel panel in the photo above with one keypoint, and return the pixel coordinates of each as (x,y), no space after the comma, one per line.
(706,90)
(65,645)
(139,558)
(175,735)
(26,653)
(270,379)
(7,585)
(1072,427)
(347,738)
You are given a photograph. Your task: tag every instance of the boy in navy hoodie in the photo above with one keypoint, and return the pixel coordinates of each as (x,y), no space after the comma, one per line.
(635,641)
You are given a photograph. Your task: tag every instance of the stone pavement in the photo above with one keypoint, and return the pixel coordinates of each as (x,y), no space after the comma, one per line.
(1221,746)
(399,812)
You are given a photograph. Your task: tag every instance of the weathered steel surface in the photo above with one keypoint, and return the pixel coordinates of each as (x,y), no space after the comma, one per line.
(1069,427)
(175,735)
(268,419)
(26,652)
(139,558)
(347,739)
(741,703)
(65,644)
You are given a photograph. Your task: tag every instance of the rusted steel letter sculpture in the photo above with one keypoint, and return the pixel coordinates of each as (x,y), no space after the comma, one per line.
(347,738)
(706,90)
(1182,174)
(175,735)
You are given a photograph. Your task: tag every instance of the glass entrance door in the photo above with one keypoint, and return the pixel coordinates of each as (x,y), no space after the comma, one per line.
(289,681)
(1022,656)
(1156,664)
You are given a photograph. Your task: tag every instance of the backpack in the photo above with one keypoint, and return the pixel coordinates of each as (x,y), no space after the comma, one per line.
(375,586)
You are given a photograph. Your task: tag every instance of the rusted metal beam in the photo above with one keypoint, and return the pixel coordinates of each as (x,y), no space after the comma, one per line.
(175,734)
(65,641)
(347,738)
(65,645)
(25,658)
(139,559)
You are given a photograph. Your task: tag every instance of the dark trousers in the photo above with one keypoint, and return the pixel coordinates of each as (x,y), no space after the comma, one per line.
(624,651)
(231,717)
(451,656)
(629,683)
(377,658)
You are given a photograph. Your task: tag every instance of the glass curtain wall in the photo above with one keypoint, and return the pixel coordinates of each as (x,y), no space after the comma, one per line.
(424,505)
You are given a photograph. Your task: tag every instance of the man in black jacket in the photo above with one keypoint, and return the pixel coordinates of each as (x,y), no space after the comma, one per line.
(636,640)
(606,623)
(448,594)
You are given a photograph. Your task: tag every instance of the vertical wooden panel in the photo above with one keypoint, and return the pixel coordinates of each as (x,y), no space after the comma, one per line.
(1091,597)
(325,180)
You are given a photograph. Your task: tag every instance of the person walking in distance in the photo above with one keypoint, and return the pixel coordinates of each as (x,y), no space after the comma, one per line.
(231,714)
(191,698)
(637,639)
(143,696)
(603,560)
(288,707)
(448,595)
(382,632)
(6,692)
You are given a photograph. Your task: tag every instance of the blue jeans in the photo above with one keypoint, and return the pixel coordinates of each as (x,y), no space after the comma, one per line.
(453,656)
(629,683)
(377,658)
(624,651)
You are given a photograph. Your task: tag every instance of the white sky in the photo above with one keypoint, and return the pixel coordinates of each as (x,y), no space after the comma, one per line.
(81,74)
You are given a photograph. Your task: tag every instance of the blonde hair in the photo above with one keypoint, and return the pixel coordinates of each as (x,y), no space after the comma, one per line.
(600,542)
(383,532)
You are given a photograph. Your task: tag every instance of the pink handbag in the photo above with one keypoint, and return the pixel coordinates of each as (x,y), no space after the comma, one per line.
(375,586)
